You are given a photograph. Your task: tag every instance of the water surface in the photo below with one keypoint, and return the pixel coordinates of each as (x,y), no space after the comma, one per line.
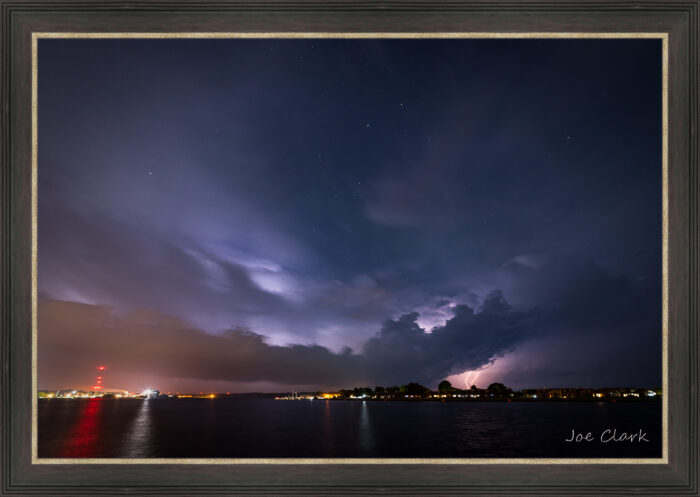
(213,428)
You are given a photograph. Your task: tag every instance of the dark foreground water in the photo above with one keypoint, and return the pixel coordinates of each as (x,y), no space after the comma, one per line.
(262,428)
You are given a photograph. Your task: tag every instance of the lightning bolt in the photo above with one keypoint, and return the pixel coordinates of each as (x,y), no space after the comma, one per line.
(471,377)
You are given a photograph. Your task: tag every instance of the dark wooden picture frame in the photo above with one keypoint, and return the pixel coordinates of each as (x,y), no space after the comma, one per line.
(23,18)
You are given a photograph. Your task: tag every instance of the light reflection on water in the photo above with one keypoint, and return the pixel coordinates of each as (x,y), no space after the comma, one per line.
(85,433)
(327,439)
(365,431)
(139,433)
(267,428)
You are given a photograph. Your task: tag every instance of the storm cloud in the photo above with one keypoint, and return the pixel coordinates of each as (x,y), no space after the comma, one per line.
(160,348)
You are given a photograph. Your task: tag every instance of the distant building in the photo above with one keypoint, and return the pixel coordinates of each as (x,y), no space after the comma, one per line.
(152,394)
(585,393)
(610,392)
(555,393)
(530,394)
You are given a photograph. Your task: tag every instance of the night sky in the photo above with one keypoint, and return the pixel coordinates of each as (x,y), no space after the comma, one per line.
(252,215)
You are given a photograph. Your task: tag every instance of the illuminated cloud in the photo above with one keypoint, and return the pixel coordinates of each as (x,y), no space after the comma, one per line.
(162,348)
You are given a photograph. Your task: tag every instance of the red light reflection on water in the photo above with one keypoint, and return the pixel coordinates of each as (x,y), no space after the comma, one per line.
(84,434)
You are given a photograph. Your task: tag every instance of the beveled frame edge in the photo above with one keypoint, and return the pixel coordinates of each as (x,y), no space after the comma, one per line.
(356,35)
(352,35)
(18,477)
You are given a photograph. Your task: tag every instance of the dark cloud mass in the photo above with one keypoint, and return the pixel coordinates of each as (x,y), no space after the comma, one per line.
(467,341)
(254,214)
(74,336)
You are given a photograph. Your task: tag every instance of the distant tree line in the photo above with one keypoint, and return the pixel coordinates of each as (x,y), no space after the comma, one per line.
(496,391)
(416,390)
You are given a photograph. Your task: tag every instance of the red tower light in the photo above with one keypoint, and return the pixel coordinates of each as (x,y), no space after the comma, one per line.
(98,385)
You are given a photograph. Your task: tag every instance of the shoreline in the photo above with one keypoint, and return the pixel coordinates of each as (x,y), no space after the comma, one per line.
(501,400)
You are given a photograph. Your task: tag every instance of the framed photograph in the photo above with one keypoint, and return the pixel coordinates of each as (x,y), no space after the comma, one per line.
(350,248)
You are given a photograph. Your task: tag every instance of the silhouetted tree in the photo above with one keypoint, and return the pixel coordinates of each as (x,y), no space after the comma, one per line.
(498,390)
(414,389)
(445,387)
(392,391)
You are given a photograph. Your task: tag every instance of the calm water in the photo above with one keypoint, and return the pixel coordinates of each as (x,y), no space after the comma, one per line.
(269,428)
